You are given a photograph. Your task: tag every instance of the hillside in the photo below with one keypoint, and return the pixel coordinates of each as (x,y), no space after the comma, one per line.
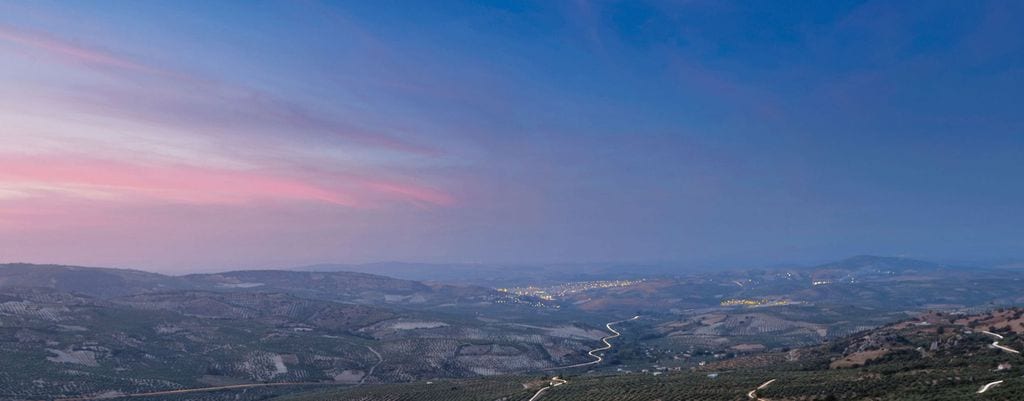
(143,332)
(335,286)
(932,357)
(91,281)
(138,332)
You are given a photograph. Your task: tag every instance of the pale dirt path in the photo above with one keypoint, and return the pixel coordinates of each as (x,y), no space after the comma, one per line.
(753,393)
(555,382)
(996,343)
(380,360)
(607,346)
(990,385)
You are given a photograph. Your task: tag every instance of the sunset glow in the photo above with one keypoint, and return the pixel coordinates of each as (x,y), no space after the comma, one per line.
(517,132)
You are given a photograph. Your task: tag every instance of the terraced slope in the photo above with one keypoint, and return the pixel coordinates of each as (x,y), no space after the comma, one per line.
(933,357)
(56,344)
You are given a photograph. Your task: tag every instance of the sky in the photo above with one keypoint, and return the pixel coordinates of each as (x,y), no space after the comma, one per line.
(194,135)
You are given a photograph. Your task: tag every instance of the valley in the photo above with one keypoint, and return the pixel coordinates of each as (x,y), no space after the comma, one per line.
(256,334)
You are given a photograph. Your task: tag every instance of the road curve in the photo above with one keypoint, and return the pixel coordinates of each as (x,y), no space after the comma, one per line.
(607,346)
(996,343)
(753,393)
(555,382)
(990,385)
(1002,347)
(380,360)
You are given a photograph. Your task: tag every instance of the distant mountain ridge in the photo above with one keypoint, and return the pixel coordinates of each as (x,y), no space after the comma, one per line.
(335,286)
(399,278)
(92,281)
(883,262)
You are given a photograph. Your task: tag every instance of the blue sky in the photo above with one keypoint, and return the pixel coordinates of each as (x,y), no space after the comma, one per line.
(195,135)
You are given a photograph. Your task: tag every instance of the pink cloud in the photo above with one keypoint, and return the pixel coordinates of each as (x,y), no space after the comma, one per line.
(99,179)
(165,183)
(416,193)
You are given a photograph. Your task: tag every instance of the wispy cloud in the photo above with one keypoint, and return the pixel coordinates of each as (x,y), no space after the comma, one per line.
(70,52)
(116,137)
(189,98)
(128,182)
(125,182)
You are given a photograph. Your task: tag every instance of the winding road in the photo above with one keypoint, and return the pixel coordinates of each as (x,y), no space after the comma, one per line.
(1002,347)
(555,382)
(380,360)
(990,385)
(607,346)
(753,393)
(996,343)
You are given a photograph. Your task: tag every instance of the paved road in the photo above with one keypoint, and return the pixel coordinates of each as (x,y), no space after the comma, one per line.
(555,382)
(607,346)
(990,385)
(996,343)
(1004,348)
(753,393)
